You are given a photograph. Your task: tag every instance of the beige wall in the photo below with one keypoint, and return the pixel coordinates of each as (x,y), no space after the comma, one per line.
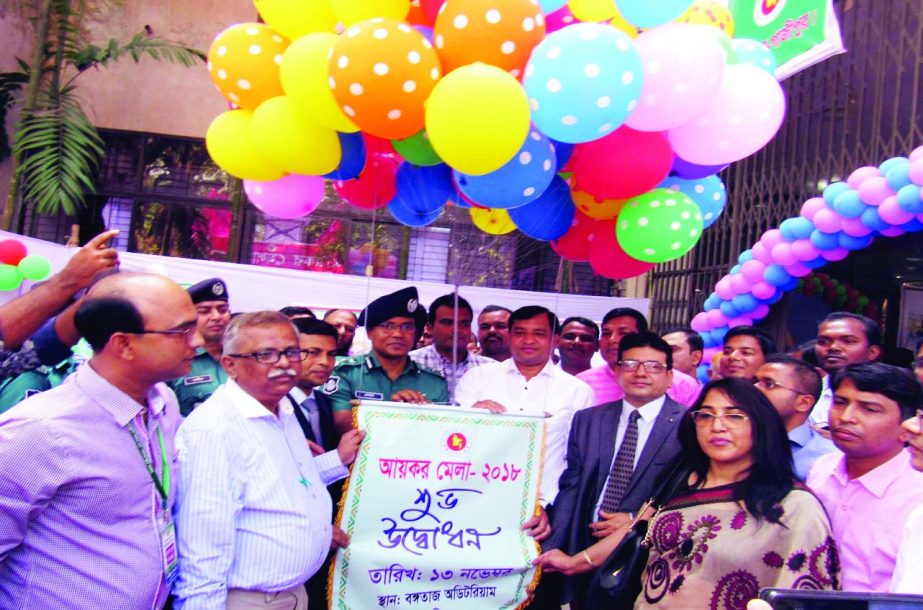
(16,34)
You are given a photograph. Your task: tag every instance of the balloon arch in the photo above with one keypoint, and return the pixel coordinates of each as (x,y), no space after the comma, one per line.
(884,201)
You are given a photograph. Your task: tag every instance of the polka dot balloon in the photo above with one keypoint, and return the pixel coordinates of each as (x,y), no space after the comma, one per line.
(583,81)
(381,72)
(708,193)
(523,179)
(501,33)
(711,13)
(243,62)
(492,222)
(659,226)
(597,207)
(754,53)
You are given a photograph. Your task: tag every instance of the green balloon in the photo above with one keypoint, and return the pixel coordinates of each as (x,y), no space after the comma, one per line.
(417,150)
(659,226)
(841,289)
(34,267)
(862,301)
(9,277)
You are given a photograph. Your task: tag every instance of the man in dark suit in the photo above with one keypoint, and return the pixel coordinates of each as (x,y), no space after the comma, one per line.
(615,453)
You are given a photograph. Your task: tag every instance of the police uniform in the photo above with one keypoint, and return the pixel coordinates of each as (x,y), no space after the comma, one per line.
(362,377)
(206,373)
(16,389)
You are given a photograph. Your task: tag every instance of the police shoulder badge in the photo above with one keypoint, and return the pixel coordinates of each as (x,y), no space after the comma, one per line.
(331,385)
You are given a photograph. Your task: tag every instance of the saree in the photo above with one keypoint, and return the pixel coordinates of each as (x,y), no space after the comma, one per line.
(707,551)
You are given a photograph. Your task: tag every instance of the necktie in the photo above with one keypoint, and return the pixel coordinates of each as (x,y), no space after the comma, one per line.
(622,467)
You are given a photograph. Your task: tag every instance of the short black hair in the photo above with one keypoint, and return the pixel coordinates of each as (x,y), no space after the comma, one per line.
(295,310)
(447,300)
(495,308)
(646,339)
(767,343)
(313,326)
(530,311)
(807,378)
(808,352)
(97,319)
(581,320)
(694,339)
(870,326)
(619,312)
(895,383)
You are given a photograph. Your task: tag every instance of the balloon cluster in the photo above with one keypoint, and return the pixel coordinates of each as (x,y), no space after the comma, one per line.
(882,201)
(16,264)
(840,295)
(598,125)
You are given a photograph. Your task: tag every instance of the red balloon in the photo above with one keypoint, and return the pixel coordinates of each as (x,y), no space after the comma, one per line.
(12,251)
(375,187)
(607,257)
(575,244)
(623,164)
(431,9)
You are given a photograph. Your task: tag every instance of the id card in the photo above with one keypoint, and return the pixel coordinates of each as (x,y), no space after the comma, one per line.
(170,556)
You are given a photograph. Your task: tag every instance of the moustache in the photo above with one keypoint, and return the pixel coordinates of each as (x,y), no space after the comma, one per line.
(282,372)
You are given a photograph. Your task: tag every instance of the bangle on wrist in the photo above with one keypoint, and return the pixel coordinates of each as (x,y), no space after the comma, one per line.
(587,557)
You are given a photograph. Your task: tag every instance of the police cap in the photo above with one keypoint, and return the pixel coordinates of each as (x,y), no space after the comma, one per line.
(213,289)
(404,303)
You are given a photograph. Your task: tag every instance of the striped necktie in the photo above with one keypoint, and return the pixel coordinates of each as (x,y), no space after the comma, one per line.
(622,467)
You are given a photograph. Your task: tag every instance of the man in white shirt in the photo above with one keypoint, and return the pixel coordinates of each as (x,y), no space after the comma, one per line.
(906,578)
(253,513)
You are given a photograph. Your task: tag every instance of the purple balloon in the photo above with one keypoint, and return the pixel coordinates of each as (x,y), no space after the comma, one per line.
(797,270)
(861,175)
(828,221)
(741,321)
(835,254)
(761,253)
(753,270)
(691,171)
(700,322)
(783,255)
(770,238)
(716,318)
(854,227)
(875,190)
(761,311)
(762,290)
(724,289)
(805,250)
(812,206)
(892,213)
(291,196)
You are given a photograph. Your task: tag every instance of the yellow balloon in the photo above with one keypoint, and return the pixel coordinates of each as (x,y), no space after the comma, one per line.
(291,141)
(295,18)
(477,118)
(593,10)
(229,145)
(492,222)
(711,13)
(619,23)
(305,79)
(600,209)
(354,11)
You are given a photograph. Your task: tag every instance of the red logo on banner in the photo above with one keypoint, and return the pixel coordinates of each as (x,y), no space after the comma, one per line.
(456,442)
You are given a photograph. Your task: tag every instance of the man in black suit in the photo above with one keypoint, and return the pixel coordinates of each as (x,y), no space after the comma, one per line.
(615,453)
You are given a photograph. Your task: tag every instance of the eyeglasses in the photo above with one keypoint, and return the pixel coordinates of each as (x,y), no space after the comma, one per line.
(578,338)
(771,384)
(731,420)
(187,332)
(272,356)
(651,366)
(390,327)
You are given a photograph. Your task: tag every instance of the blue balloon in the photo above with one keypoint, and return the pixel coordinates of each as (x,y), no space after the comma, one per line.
(746,255)
(522,179)
(650,13)
(776,275)
(892,162)
(712,302)
(548,217)
(834,189)
(718,333)
(422,193)
(775,298)
(404,213)
(735,269)
(583,81)
(701,373)
(458,200)
(754,53)
(796,228)
(898,176)
(562,152)
(728,309)
(745,303)
(853,243)
(708,193)
(352,161)
(790,285)
(872,220)
(816,263)
(707,339)
(550,6)
(909,198)
(848,204)
(824,241)
(913,226)
(692,171)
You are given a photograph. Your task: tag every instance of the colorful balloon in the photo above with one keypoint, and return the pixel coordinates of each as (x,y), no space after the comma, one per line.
(659,226)
(558,19)
(350,12)
(548,217)
(754,53)
(623,164)
(376,186)
(596,207)
(292,196)
(575,244)
(492,222)
(9,277)
(12,251)
(608,259)
(422,192)
(592,10)
(34,267)
(647,14)
(708,193)
(243,62)
(417,149)
(295,18)
(230,146)
(691,171)
(291,141)
(712,13)
(352,160)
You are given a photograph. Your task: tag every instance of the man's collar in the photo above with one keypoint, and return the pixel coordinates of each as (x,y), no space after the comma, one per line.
(649,410)
(120,405)
(373,362)
(879,479)
(546,371)
(250,407)
(801,435)
(299,395)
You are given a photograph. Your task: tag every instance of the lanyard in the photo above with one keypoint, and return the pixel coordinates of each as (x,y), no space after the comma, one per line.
(163,488)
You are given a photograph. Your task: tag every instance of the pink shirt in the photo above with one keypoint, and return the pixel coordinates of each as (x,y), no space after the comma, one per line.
(867,515)
(606,388)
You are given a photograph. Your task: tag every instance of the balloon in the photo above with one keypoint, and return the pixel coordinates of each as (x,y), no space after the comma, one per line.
(776,275)
(724,289)
(608,259)
(874,190)
(34,267)
(548,217)
(12,251)
(592,10)
(575,244)
(848,204)
(761,253)
(898,175)
(562,153)
(708,193)
(477,138)
(805,250)
(754,53)
(647,14)
(854,227)
(683,66)
(915,171)
(782,254)
(230,146)
(291,196)
(492,222)
(828,221)
(243,62)
(742,118)
(291,141)
(305,77)
(832,190)
(353,158)
(550,6)
(431,9)
(796,228)
(295,18)
(824,241)
(739,284)
(595,207)
(403,212)
(659,226)
(860,175)
(910,198)
(523,179)
(376,185)
(708,12)
(813,205)
(501,33)
(350,12)
(891,212)
(417,150)
(583,81)
(621,24)
(730,312)
(753,271)
(625,163)
(891,163)
(559,19)
(763,290)
(691,171)
(422,192)
(854,243)
(9,277)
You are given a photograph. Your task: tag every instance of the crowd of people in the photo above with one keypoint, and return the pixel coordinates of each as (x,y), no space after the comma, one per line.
(194,458)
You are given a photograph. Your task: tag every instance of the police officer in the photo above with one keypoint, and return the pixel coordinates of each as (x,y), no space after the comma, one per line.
(14,390)
(392,323)
(210,298)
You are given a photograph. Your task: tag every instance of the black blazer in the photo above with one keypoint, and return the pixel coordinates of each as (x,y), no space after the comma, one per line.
(327,429)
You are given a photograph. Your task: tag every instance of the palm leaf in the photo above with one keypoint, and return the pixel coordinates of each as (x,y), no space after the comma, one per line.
(141,45)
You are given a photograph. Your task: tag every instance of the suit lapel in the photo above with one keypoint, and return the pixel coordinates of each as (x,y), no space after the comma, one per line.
(664,426)
(325,409)
(606,437)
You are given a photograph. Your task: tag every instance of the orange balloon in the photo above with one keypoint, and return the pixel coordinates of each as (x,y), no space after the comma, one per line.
(243,62)
(501,33)
(600,209)
(381,72)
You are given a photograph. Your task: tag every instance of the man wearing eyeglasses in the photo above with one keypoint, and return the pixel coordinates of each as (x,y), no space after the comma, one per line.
(387,372)
(615,452)
(253,513)
(210,298)
(792,386)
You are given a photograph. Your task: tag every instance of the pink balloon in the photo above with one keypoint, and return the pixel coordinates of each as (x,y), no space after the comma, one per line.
(804,250)
(761,311)
(607,257)
(812,206)
(622,164)
(761,253)
(860,175)
(915,171)
(828,221)
(558,19)
(763,290)
(753,270)
(874,190)
(892,213)
(739,284)
(717,318)
(291,196)
(855,228)
(709,353)
(893,232)
(783,255)
(723,288)
(740,321)
(700,322)
(575,244)
(797,270)
(743,117)
(836,254)
(770,238)
(916,154)
(683,66)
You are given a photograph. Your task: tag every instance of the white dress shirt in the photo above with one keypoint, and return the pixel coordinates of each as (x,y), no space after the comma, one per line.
(648,413)
(252,511)
(906,577)
(551,392)
(820,414)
